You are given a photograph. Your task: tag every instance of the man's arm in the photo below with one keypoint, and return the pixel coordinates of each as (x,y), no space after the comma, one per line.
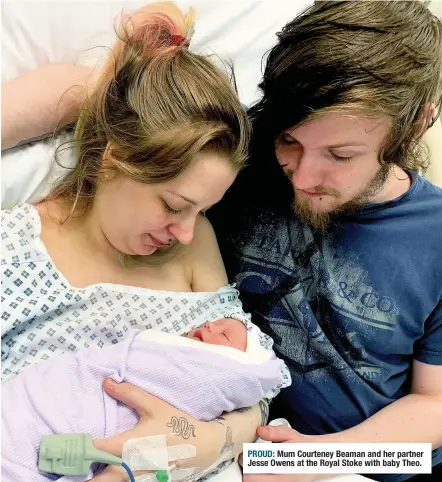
(42,100)
(415,418)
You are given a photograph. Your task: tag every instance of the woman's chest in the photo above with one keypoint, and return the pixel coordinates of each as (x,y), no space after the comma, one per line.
(83,266)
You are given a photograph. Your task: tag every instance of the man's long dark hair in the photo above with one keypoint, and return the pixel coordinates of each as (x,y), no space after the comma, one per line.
(354,57)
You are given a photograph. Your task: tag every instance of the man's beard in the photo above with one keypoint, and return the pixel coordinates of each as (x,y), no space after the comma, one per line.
(321,220)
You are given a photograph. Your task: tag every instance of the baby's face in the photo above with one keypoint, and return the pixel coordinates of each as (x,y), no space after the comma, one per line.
(227,331)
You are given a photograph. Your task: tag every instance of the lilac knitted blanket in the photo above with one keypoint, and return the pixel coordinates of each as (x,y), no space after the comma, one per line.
(64,395)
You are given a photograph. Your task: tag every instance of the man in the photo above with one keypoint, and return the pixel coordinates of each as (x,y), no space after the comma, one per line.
(346,274)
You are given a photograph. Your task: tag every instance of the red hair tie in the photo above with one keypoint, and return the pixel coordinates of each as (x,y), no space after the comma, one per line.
(179,40)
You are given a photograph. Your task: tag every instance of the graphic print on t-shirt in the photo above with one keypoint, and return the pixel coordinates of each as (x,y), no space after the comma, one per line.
(313,299)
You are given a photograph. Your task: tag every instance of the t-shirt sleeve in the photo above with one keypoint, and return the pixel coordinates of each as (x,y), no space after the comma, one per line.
(429,348)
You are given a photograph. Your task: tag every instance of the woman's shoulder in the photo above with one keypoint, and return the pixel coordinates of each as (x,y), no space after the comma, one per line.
(18,215)
(203,259)
(20,222)
(21,229)
(204,233)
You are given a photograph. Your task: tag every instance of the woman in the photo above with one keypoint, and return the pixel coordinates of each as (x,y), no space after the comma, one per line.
(160,139)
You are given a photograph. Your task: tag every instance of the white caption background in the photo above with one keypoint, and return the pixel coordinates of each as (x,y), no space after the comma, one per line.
(338,458)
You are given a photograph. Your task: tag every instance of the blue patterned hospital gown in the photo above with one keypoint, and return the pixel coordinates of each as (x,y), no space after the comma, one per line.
(44,316)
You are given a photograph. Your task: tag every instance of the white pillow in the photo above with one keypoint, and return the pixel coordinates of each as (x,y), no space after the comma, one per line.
(35,33)
(29,171)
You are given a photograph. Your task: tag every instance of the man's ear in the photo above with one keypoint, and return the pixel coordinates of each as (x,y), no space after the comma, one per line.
(434,117)
(425,121)
(428,117)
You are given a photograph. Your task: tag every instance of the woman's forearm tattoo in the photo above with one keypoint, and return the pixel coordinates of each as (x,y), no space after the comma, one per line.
(264,408)
(228,444)
(181,427)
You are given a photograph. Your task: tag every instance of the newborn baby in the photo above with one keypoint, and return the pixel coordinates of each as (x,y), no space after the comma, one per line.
(217,368)
(225,332)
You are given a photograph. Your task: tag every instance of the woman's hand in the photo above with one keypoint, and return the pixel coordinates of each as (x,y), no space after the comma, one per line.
(158,417)
(215,441)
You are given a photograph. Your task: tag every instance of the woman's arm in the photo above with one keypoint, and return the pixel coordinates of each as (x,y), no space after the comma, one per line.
(240,427)
(43,99)
(215,441)
(81,372)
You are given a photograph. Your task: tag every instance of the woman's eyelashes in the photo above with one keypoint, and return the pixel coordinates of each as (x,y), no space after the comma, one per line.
(173,211)
(170,209)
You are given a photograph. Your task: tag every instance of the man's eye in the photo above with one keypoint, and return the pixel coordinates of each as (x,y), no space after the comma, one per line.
(341,159)
(286,139)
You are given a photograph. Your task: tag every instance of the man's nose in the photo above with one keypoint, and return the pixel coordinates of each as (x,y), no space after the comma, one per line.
(307,174)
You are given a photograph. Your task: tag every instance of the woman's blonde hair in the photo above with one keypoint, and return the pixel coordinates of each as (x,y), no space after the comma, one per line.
(156,104)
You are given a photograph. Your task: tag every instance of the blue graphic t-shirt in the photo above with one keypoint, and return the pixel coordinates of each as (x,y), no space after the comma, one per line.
(349,308)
